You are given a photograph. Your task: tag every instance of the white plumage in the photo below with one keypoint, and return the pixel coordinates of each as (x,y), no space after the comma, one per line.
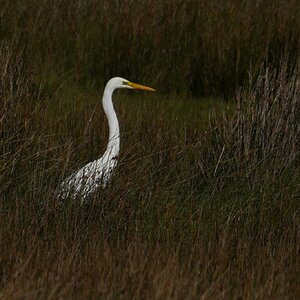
(98,172)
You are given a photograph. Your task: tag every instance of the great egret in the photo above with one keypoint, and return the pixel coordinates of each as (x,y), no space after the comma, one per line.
(98,172)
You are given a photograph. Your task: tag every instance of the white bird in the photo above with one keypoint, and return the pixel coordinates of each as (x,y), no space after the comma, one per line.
(98,172)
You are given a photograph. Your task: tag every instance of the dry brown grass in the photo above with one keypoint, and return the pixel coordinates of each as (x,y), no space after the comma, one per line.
(198,209)
(203,47)
(182,220)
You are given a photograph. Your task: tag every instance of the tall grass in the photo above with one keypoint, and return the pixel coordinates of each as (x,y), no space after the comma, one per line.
(262,136)
(197,208)
(203,47)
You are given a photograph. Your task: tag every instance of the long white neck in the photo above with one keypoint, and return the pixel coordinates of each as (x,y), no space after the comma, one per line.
(113,145)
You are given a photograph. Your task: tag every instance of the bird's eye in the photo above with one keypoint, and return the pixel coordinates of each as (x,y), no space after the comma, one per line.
(125,82)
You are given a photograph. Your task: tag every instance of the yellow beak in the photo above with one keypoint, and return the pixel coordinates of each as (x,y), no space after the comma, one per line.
(140,87)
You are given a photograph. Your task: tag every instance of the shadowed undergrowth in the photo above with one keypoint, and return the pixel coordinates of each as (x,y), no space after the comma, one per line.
(200,47)
(204,204)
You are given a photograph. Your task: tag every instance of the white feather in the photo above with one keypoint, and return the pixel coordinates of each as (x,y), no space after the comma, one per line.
(98,172)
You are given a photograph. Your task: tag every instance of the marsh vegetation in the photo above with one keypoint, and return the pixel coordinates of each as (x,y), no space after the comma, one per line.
(205,201)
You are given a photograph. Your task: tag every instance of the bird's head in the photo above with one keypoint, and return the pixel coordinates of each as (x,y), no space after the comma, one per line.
(121,83)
